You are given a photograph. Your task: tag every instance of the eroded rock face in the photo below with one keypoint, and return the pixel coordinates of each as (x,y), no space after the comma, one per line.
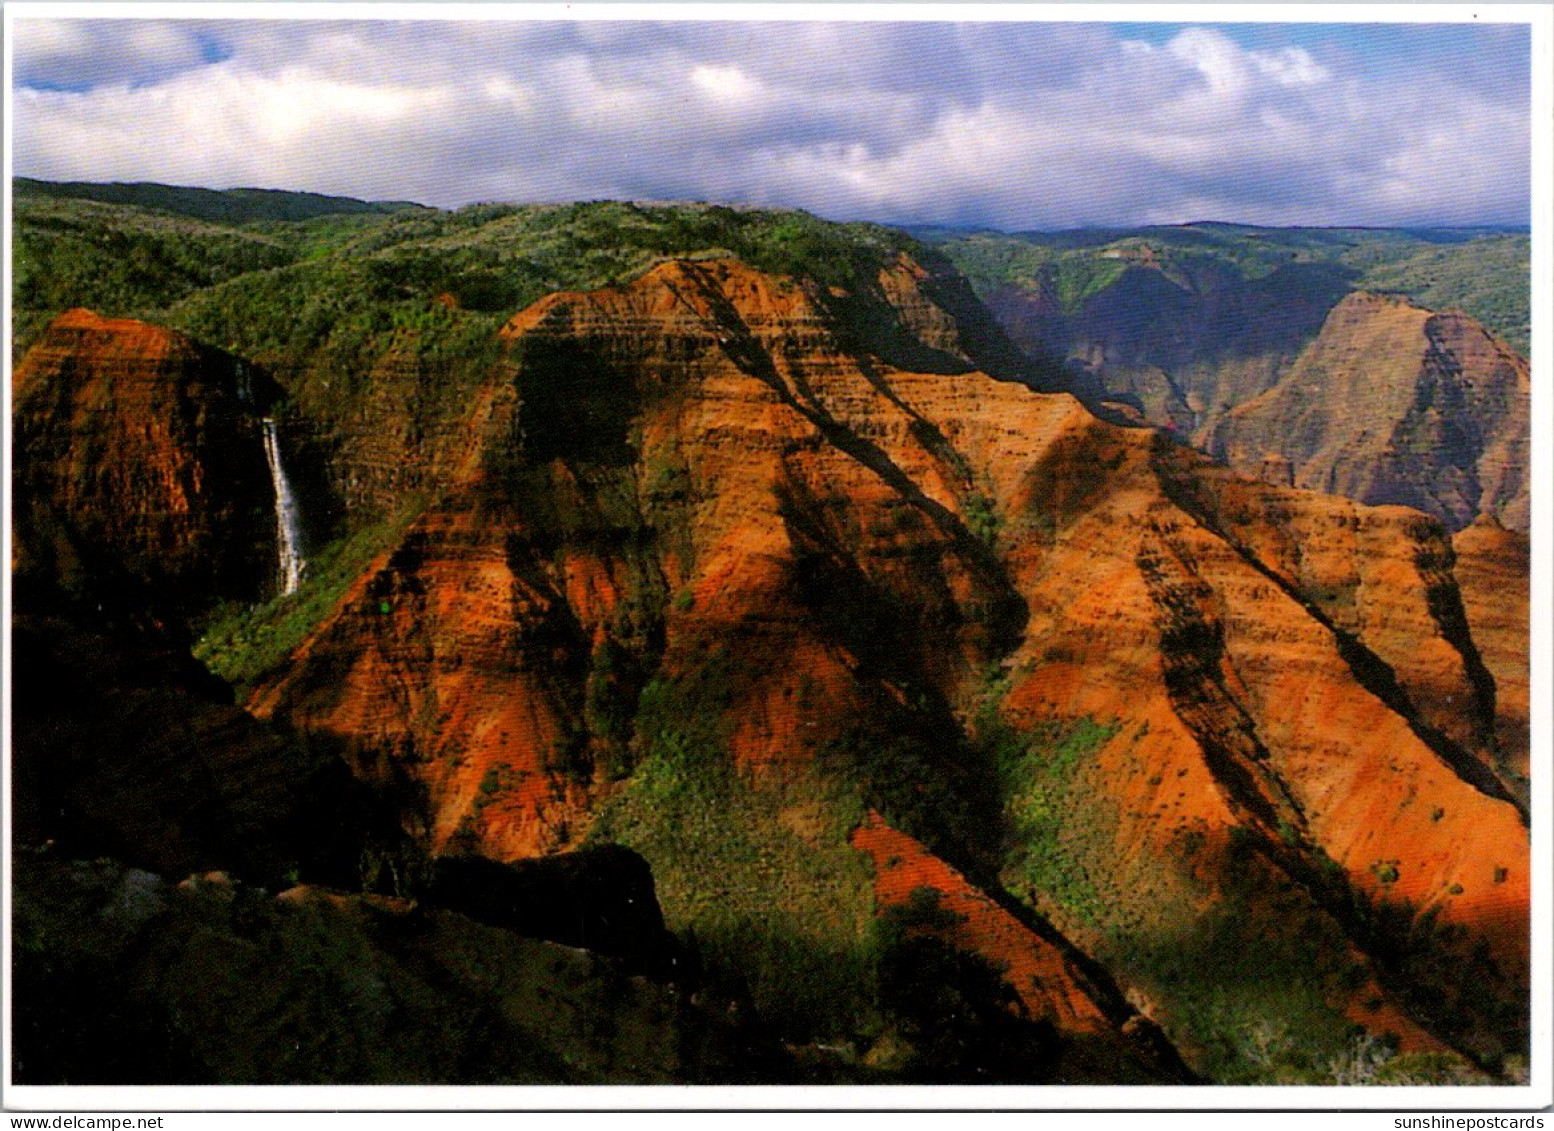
(1296,379)
(1269,727)
(1492,571)
(1178,343)
(1392,404)
(659,485)
(696,483)
(139,460)
(753,551)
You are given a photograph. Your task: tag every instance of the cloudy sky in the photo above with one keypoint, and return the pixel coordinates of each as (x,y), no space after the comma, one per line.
(1013,125)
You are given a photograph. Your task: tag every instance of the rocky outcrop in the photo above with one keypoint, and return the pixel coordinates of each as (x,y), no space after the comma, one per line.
(1259,736)
(1180,342)
(1392,404)
(125,977)
(127,751)
(1274,360)
(598,898)
(125,747)
(715,563)
(594,543)
(1105,1038)
(139,460)
(401,428)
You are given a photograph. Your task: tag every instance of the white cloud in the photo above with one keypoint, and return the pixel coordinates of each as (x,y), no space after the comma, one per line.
(725,83)
(1223,65)
(1293,66)
(55,52)
(1013,125)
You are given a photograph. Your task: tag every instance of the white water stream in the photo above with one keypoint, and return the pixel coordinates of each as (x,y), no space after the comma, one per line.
(288,531)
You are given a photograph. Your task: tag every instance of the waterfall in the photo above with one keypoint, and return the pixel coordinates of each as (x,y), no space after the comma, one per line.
(288,533)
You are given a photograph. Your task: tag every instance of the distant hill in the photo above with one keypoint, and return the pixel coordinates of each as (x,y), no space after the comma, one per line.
(1483,271)
(1394,404)
(228,206)
(1185,327)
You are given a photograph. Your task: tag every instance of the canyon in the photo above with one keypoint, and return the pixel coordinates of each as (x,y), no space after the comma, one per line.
(1385,366)
(965,728)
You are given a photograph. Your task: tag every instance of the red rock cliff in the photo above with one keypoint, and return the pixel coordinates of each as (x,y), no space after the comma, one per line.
(1394,404)
(1294,719)
(136,453)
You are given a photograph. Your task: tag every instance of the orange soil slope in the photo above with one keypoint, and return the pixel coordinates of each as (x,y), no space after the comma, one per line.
(1492,570)
(1049,984)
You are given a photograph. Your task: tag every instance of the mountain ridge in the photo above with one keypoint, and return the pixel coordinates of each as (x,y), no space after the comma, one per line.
(234,205)
(1188,327)
(738,565)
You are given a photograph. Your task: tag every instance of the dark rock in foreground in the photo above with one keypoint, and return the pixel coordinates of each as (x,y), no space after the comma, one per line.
(123,977)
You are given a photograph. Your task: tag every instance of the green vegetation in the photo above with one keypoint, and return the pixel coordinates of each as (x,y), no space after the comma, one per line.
(223,206)
(495,780)
(379,324)
(120,261)
(1488,277)
(981,517)
(990,262)
(759,875)
(1385,871)
(134,250)
(1038,770)
(917,770)
(1230,982)
(1236,975)
(1483,272)
(489,258)
(339,300)
(244,643)
(493,260)
(1446,981)
(606,712)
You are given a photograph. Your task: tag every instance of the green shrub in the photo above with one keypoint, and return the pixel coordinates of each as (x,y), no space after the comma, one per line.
(981,517)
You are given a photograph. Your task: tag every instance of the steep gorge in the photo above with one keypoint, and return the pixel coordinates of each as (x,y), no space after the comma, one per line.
(1391,404)
(698,521)
(767,579)
(1378,365)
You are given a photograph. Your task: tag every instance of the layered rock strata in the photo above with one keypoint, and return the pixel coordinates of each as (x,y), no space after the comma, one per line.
(696,470)
(1391,404)
(139,457)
